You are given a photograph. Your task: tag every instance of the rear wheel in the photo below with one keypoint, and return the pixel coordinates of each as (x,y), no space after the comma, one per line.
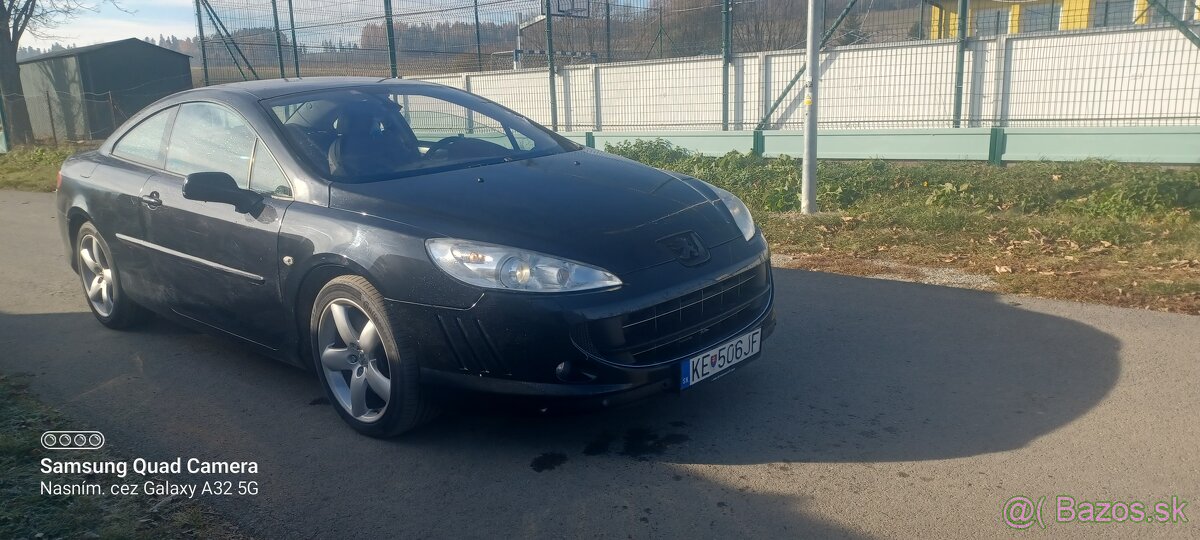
(370,373)
(102,281)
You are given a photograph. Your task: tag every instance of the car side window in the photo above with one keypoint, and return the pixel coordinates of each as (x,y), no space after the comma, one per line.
(211,138)
(265,174)
(144,143)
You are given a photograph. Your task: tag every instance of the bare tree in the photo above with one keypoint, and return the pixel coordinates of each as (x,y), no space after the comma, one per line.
(767,25)
(18,18)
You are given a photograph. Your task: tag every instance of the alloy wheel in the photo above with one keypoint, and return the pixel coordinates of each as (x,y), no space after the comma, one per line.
(353,357)
(95,269)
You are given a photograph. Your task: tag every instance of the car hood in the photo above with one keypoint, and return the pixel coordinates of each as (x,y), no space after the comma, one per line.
(585,205)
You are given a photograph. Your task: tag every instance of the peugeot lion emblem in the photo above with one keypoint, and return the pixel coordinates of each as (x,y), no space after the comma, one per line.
(687,248)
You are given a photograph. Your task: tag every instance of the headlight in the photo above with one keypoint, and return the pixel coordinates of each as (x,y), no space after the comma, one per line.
(741,214)
(500,267)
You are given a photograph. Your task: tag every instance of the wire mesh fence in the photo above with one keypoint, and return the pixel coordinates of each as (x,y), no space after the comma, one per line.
(62,117)
(734,64)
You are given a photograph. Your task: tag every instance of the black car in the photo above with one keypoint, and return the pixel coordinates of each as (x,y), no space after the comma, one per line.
(399,236)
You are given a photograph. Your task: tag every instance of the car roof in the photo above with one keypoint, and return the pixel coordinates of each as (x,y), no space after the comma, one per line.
(272,88)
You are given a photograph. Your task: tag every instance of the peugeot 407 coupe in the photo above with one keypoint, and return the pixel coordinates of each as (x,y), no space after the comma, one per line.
(397,237)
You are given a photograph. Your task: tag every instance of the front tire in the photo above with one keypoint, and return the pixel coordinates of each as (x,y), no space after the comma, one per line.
(102,281)
(370,374)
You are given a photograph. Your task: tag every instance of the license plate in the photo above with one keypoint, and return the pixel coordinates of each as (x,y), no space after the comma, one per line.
(719,359)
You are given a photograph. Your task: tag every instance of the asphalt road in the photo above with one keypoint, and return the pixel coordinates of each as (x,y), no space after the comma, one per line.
(880,409)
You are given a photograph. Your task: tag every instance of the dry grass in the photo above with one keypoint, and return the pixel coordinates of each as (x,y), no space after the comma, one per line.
(1161,273)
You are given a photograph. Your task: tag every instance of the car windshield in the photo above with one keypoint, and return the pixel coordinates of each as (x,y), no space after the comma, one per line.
(378,132)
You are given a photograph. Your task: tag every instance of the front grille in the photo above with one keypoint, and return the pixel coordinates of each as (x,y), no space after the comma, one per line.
(680,326)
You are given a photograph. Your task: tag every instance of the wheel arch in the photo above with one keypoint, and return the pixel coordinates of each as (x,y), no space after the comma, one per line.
(76,217)
(309,285)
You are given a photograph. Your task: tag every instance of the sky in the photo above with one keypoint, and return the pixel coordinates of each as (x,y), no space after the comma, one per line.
(147,18)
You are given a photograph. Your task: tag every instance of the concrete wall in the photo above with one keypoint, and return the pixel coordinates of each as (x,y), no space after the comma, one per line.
(1135,76)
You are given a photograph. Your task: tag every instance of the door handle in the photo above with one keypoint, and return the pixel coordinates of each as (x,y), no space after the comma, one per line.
(152,200)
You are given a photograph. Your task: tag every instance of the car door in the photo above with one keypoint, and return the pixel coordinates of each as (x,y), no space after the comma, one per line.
(114,208)
(220,265)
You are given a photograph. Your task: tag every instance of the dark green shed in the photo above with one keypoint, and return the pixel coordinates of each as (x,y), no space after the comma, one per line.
(86,92)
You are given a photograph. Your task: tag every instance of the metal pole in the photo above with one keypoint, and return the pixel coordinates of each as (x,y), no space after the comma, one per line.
(808,180)
(478,39)
(3,127)
(278,38)
(227,38)
(608,29)
(295,46)
(50,117)
(1175,21)
(112,114)
(726,57)
(200,42)
(391,36)
(921,21)
(662,35)
(764,122)
(550,62)
(960,63)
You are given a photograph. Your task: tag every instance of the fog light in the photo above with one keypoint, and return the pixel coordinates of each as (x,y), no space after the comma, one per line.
(563,371)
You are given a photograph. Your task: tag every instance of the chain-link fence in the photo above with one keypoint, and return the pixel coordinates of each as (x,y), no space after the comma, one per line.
(62,117)
(734,64)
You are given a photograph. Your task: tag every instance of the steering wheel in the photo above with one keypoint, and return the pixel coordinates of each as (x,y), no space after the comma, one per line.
(442,146)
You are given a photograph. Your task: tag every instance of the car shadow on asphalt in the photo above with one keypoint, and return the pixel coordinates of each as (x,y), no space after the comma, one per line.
(858,371)
(861,370)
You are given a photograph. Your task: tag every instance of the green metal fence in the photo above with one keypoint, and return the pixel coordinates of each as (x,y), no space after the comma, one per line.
(627,65)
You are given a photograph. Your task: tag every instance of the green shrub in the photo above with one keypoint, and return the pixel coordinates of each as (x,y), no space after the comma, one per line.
(1091,188)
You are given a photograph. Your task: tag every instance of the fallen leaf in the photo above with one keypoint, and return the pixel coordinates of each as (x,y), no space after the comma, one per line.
(1003,269)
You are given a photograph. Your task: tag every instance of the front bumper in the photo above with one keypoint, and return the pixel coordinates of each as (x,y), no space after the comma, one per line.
(594,348)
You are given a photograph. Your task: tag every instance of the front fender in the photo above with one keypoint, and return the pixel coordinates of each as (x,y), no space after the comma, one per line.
(389,254)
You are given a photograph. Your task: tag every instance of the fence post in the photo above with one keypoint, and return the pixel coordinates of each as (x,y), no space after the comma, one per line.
(200,42)
(597,99)
(112,116)
(391,36)
(996,146)
(3,128)
(608,29)
(478,39)
(662,32)
(726,59)
(550,63)
(960,63)
(295,46)
(50,117)
(278,38)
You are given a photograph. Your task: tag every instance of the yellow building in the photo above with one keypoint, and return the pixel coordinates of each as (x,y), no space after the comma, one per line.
(992,17)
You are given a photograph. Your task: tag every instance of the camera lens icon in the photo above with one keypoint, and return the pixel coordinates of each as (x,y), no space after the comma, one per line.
(72,440)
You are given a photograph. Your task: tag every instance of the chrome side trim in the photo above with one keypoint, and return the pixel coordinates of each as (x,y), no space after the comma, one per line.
(218,266)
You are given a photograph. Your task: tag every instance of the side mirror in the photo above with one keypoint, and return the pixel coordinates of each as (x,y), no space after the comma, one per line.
(222,188)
